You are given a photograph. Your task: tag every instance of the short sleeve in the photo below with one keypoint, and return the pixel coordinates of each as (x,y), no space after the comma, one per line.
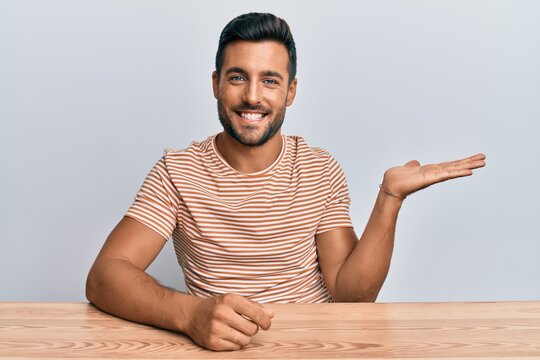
(157,201)
(336,212)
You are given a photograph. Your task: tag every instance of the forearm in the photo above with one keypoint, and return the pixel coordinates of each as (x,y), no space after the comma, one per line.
(120,288)
(362,275)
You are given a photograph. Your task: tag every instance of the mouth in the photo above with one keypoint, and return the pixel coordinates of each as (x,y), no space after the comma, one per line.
(251,116)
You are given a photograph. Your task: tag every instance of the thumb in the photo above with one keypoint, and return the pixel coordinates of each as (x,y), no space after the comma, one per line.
(413,163)
(269,312)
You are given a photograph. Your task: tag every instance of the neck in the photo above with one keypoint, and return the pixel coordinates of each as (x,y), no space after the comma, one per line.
(249,159)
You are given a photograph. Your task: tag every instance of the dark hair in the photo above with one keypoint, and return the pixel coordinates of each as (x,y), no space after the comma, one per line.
(257,27)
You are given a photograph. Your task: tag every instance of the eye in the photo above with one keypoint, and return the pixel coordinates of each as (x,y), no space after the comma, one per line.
(237,78)
(270,81)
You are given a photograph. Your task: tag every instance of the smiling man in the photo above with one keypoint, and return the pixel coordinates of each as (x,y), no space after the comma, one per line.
(255,216)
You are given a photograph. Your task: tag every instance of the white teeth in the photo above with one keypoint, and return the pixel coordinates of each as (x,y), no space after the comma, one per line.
(252,116)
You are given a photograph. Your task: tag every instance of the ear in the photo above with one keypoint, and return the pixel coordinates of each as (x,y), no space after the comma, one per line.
(215,84)
(291,94)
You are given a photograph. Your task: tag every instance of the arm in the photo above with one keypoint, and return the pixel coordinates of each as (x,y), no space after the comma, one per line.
(355,270)
(117,283)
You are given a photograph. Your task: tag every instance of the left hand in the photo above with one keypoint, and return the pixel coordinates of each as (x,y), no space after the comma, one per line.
(405,180)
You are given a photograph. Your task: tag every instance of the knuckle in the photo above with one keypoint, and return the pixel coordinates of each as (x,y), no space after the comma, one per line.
(213,326)
(260,319)
(219,312)
(227,298)
(245,340)
(263,320)
(265,325)
(240,339)
(214,312)
(253,329)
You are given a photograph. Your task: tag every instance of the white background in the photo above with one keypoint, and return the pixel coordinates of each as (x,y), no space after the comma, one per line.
(91,92)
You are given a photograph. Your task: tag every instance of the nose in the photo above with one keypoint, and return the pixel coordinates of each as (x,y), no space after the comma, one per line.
(252,93)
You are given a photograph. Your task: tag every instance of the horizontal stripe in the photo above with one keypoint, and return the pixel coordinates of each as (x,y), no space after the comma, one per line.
(249,234)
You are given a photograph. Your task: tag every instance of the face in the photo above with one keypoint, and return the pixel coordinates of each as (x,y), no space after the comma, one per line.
(253,90)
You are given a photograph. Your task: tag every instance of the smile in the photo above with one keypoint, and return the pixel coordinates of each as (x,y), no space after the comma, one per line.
(251,116)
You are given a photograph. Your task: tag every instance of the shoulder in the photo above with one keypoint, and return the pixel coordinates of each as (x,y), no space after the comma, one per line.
(195,153)
(315,160)
(301,150)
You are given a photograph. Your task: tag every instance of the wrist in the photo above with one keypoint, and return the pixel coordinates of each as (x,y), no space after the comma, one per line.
(390,193)
(388,202)
(184,306)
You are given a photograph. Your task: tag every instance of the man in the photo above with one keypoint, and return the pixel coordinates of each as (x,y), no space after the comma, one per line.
(255,216)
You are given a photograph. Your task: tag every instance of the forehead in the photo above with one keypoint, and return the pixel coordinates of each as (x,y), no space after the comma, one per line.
(257,56)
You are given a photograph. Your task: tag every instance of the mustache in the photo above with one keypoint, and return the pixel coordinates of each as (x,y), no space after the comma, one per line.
(247,107)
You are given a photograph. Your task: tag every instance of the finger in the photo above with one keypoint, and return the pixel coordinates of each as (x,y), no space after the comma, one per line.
(447,175)
(223,345)
(242,324)
(477,164)
(254,311)
(463,161)
(478,156)
(269,311)
(236,337)
(475,161)
(472,164)
(413,163)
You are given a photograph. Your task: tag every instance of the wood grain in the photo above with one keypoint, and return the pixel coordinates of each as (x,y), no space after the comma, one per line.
(498,330)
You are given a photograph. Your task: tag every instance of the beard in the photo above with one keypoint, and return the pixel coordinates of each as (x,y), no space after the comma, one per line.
(249,136)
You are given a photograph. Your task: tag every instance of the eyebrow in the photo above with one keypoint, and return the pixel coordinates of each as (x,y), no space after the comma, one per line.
(272,74)
(236,69)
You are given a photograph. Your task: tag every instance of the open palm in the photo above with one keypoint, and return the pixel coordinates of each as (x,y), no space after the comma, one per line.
(405,180)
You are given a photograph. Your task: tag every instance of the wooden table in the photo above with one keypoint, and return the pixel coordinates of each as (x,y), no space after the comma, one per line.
(499,330)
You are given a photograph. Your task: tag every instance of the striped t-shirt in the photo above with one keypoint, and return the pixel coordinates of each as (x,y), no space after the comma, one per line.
(248,234)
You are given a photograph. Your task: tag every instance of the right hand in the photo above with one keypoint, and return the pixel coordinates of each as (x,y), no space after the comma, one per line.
(227,322)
